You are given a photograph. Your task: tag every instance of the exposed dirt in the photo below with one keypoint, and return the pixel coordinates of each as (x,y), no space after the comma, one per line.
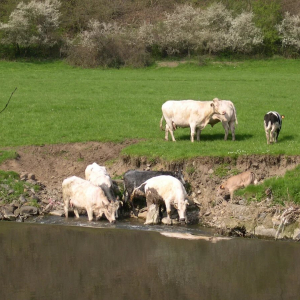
(51,164)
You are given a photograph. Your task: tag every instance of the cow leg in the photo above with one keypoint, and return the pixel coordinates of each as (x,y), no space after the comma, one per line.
(170,129)
(89,211)
(167,133)
(232,129)
(231,195)
(168,208)
(76,212)
(226,128)
(198,131)
(192,133)
(277,133)
(272,134)
(66,207)
(268,136)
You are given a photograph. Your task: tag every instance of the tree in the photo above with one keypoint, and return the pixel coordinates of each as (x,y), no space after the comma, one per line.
(32,25)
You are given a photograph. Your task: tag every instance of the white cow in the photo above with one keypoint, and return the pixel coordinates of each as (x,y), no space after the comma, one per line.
(228,120)
(188,113)
(165,190)
(81,193)
(99,176)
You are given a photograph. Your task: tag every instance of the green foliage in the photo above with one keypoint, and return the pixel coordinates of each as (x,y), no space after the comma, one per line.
(5,155)
(284,189)
(267,15)
(11,187)
(224,170)
(190,169)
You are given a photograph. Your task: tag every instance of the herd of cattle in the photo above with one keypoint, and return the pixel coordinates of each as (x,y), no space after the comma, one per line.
(161,189)
(198,114)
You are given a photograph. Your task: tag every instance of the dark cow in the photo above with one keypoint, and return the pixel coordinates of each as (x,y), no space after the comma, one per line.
(272,124)
(134,178)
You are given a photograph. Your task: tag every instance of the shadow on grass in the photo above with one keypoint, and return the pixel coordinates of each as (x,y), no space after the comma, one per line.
(215,137)
(286,138)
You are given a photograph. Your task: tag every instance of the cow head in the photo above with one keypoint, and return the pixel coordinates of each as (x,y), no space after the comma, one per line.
(181,209)
(216,104)
(222,192)
(110,211)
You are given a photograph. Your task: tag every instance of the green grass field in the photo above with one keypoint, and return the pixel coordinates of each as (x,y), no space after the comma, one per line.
(56,103)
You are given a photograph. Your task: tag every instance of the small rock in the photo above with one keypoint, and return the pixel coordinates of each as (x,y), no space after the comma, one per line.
(22,199)
(211,171)
(59,213)
(28,210)
(31,176)
(11,191)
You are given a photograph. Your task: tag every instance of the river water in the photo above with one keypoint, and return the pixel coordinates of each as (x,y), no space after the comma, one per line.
(59,259)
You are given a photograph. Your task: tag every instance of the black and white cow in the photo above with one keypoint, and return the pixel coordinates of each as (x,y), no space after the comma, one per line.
(272,124)
(164,190)
(134,178)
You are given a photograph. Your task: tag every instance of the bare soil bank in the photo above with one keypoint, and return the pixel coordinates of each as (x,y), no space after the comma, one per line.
(52,163)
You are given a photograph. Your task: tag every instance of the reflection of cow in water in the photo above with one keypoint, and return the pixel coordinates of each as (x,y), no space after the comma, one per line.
(163,190)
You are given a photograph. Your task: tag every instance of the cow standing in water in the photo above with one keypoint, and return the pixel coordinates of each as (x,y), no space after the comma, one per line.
(80,193)
(134,178)
(188,113)
(272,124)
(165,190)
(98,176)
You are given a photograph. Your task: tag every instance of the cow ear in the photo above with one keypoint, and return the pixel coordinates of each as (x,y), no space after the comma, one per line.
(222,187)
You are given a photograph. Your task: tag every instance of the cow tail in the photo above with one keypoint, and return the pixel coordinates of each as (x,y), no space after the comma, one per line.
(161,123)
(132,194)
(236,120)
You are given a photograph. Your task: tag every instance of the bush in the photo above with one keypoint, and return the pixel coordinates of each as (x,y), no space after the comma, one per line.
(289,31)
(107,45)
(32,25)
(212,30)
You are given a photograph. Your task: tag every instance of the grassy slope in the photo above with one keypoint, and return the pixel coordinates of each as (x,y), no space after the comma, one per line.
(56,103)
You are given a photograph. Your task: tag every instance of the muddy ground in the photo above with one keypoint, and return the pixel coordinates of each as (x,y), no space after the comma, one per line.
(51,164)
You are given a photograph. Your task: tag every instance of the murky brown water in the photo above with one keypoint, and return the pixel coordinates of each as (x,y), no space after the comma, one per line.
(71,262)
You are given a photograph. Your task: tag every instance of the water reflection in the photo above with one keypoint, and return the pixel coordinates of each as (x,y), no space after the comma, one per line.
(62,262)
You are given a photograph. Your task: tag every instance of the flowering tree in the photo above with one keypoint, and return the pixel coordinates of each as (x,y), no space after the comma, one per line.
(209,30)
(289,31)
(32,24)
(243,34)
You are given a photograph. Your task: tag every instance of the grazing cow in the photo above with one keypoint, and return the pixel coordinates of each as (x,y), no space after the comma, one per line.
(134,178)
(188,113)
(228,119)
(272,124)
(165,190)
(81,193)
(236,182)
